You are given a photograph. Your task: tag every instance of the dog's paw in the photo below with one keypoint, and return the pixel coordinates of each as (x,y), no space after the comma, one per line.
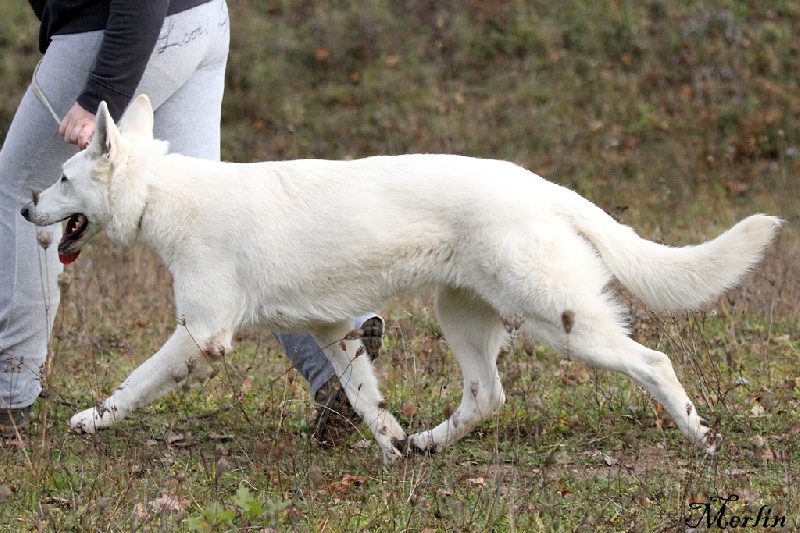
(713,441)
(422,443)
(389,435)
(410,445)
(91,420)
(392,445)
(707,437)
(393,450)
(429,448)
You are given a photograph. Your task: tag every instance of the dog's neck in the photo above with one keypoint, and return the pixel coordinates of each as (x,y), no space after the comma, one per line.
(130,190)
(144,209)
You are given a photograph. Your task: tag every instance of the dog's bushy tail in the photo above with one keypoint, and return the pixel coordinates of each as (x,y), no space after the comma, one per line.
(666,277)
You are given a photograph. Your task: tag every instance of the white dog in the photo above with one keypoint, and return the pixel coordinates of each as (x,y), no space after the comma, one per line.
(305,245)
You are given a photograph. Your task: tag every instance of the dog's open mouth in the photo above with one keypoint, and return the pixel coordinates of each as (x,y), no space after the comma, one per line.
(69,247)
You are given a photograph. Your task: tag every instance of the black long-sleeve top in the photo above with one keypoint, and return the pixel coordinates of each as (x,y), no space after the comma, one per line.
(131,31)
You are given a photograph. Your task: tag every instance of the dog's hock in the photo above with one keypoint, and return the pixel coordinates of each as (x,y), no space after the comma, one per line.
(568,320)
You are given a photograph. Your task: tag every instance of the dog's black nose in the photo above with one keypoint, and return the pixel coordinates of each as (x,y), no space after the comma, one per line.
(25,211)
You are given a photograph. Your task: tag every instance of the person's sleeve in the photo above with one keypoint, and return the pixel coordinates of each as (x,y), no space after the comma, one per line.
(128,41)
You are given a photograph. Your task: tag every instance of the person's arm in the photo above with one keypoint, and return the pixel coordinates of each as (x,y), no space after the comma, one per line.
(128,41)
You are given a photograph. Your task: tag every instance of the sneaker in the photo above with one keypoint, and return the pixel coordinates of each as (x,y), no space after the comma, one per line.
(372,336)
(14,421)
(336,419)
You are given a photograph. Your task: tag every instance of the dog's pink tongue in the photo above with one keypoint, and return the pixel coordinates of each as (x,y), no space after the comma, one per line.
(68,258)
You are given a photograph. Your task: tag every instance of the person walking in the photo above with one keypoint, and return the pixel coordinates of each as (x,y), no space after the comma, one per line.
(175,51)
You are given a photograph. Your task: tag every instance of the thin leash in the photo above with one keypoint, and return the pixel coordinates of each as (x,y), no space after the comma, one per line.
(35,193)
(37,90)
(40,95)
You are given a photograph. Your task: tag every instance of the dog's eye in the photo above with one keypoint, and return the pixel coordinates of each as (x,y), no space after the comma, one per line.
(64,178)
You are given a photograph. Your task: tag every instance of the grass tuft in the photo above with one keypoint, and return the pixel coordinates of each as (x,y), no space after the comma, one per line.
(679,118)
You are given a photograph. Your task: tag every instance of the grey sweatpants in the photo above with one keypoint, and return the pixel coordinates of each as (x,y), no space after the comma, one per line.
(308,358)
(184,80)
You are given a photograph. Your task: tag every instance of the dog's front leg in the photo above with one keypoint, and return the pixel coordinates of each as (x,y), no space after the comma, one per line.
(354,369)
(182,357)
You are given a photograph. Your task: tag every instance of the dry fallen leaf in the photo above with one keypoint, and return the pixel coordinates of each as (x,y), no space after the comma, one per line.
(172,438)
(321,54)
(577,376)
(168,503)
(361,444)
(697,498)
(315,476)
(409,410)
(348,481)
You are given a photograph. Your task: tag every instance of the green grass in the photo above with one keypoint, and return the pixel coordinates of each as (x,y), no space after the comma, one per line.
(573,447)
(678,118)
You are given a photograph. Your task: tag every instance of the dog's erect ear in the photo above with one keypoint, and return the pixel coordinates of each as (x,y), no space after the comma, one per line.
(105,136)
(136,123)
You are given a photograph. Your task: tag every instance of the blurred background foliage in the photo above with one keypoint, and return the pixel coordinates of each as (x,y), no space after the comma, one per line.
(673,115)
(647,104)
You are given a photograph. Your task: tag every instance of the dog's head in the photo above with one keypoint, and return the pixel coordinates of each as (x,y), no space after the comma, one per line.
(105,186)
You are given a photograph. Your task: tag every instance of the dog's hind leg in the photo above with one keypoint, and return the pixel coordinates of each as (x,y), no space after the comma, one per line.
(598,340)
(185,355)
(352,365)
(475,333)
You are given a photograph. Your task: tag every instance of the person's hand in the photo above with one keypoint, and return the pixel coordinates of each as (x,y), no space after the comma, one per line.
(77,126)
